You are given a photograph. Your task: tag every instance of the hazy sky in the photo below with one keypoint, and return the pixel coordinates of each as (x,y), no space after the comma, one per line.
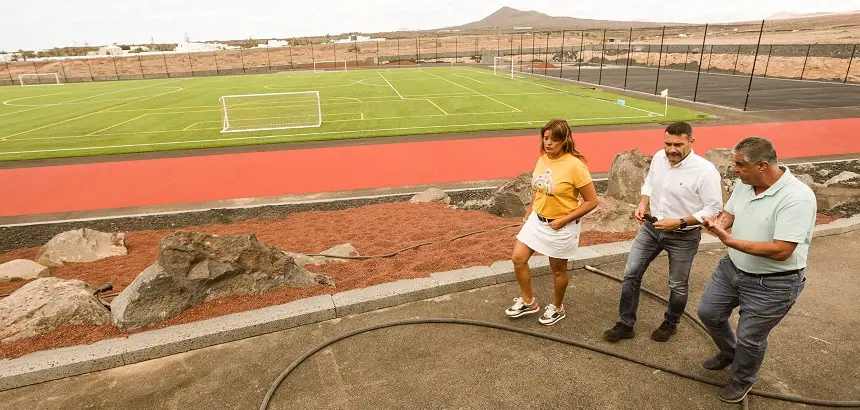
(51,23)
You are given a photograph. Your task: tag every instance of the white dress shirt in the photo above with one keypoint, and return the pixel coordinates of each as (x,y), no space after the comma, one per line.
(692,187)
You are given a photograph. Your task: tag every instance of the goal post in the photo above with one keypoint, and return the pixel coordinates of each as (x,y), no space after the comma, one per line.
(39,79)
(334,65)
(503,66)
(275,111)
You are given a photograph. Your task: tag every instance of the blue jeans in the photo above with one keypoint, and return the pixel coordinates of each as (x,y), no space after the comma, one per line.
(649,242)
(763,302)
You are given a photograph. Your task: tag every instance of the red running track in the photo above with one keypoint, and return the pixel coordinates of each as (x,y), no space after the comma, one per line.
(52,189)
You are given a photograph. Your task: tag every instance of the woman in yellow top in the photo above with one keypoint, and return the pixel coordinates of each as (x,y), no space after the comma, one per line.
(552,219)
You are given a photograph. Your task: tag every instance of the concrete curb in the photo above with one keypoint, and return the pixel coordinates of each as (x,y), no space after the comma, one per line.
(76,360)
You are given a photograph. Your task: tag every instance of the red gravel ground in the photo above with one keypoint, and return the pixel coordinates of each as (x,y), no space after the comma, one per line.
(372,230)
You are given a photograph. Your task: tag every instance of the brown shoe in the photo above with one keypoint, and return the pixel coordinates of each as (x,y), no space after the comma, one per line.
(718,362)
(618,332)
(664,332)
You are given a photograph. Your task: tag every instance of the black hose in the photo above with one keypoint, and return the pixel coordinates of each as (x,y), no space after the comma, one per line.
(794,399)
(323,345)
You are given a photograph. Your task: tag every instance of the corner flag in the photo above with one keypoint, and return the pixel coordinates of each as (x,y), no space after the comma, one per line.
(664,93)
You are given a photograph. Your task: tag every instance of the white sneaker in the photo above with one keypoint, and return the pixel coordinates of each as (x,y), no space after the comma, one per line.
(551,315)
(520,308)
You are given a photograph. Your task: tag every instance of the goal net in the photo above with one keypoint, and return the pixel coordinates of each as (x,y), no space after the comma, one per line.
(39,79)
(338,65)
(261,112)
(503,66)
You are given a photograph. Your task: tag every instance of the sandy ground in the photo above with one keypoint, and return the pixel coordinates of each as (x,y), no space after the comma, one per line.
(372,230)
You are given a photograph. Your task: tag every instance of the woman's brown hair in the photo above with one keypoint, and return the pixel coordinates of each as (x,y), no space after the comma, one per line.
(560,131)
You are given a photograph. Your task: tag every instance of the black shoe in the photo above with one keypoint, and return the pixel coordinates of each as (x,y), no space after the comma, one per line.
(618,332)
(664,332)
(718,362)
(734,392)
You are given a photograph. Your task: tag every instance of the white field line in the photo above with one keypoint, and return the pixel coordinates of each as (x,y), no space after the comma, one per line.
(561,91)
(103,147)
(392,87)
(117,125)
(467,88)
(71,101)
(469,78)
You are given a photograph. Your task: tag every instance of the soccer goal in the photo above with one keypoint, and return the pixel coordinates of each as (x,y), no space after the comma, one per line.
(337,65)
(276,111)
(39,79)
(503,66)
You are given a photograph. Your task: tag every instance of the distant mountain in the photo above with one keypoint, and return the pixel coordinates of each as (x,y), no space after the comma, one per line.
(785,15)
(508,18)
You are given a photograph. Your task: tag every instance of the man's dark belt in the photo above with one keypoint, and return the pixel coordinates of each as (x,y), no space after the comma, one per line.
(547,220)
(771,275)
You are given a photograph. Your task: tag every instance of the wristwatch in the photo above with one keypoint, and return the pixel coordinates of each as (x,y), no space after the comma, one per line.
(683,224)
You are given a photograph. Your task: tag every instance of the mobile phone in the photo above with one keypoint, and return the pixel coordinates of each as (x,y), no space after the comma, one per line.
(649,218)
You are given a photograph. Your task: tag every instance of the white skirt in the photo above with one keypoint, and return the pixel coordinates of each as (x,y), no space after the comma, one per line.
(540,237)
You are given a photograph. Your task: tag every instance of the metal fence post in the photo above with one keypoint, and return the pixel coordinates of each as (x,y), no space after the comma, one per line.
(476,49)
(437,49)
(90,69)
(498,44)
(710,54)
(737,57)
(398,51)
(533,52)
(164,57)
(648,57)
(377,54)
(752,73)
(191,63)
(629,49)
(313,57)
(581,57)
(8,71)
(268,61)
(334,50)
(767,62)
(115,70)
(142,74)
(63,68)
(290,50)
(417,50)
(802,71)
(215,55)
(659,60)
(521,52)
(701,58)
(355,53)
(546,54)
(686,57)
(602,54)
(242,58)
(561,67)
(846,72)
(456,47)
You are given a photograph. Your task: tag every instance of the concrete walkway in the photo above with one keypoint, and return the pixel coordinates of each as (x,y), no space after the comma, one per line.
(813,353)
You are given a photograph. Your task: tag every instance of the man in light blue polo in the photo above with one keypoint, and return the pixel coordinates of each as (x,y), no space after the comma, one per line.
(772,216)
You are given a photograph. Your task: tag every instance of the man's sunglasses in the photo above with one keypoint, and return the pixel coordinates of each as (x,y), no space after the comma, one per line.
(649,218)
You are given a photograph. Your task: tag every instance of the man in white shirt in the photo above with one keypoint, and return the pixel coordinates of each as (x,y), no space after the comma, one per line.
(682,190)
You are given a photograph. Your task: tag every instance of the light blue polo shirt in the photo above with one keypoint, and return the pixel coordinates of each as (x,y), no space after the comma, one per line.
(785,211)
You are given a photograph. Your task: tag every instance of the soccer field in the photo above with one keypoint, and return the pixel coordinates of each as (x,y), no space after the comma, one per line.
(183,113)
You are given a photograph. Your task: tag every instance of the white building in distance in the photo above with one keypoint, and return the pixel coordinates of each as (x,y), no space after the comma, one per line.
(110,50)
(354,38)
(274,44)
(200,47)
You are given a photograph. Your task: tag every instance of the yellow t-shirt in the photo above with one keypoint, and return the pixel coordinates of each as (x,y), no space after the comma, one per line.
(555,184)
